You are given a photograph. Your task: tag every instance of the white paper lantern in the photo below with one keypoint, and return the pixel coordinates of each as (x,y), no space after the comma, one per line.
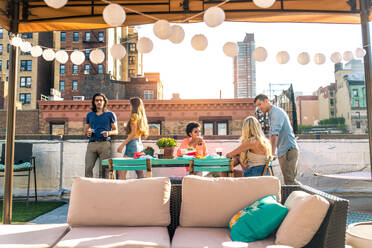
(16,41)
(348,55)
(144,45)
(264,3)
(36,51)
(360,53)
(177,34)
(336,57)
(231,49)
(56,3)
(97,56)
(260,54)
(303,58)
(25,46)
(282,57)
(62,56)
(319,58)
(114,15)
(199,42)
(77,57)
(214,16)
(162,29)
(49,54)
(117,51)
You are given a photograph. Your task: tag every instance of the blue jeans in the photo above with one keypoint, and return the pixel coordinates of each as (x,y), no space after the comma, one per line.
(255,171)
(135,145)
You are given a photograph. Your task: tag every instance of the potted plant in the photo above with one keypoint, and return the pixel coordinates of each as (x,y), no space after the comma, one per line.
(168,144)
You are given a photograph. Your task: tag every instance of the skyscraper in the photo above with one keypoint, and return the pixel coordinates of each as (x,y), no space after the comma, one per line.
(245,69)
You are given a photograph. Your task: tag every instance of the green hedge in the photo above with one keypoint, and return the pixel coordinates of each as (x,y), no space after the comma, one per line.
(333,121)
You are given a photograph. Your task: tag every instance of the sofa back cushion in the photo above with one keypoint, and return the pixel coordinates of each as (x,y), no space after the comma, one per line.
(211,202)
(102,202)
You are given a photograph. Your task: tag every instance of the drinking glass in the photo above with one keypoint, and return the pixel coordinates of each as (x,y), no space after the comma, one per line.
(219,151)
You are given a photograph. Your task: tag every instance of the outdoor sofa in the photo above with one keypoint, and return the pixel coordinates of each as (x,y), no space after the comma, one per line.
(154,212)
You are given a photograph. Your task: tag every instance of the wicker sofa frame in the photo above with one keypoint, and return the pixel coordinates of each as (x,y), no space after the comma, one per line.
(331,233)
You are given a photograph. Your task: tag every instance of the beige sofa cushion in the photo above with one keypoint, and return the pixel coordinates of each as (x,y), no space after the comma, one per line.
(191,237)
(110,237)
(35,236)
(306,213)
(211,202)
(103,202)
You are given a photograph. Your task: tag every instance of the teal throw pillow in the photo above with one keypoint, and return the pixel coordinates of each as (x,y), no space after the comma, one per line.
(258,220)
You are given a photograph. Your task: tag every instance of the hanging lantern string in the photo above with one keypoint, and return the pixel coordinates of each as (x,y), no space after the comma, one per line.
(198,14)
(135,11)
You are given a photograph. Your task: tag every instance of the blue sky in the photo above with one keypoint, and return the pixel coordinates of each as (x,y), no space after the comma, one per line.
(196,74)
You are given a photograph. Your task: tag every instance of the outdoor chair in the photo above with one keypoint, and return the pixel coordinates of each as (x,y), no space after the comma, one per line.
(24,164)
(268,167)
(225,166)
(125,164)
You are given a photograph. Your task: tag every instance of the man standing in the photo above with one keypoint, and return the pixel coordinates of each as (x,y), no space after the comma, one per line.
(100,124)
(282,137)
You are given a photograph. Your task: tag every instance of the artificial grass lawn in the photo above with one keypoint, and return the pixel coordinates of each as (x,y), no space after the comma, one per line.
(21,213)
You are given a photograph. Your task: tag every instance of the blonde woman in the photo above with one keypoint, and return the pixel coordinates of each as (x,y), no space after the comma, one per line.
(136,129)
(254,148)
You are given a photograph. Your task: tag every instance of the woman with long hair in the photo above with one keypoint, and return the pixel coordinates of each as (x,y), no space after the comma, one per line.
(254,149)
(136,128)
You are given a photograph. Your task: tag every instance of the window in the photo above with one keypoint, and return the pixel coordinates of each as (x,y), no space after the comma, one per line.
(215,127)
(132,47)
(86,69)
(358,124)
(355,92)
(8,48)
(63,36)
(25,82)
(25,98)
(357,103)
(27,36)
(75,36)
(1,65)
(7,64)
(87,52)
(87,36)
(1,33)
(61,69)
(155,129)
(207,128)
(132,60)
(26,65)
(221,128)
(100,37)
(100,69)
(75,69)
(132,72)
(331,93)
(1,49)
(331,102)
(148,94)
(57,128)
(332,113)
(75,85)
(61,85)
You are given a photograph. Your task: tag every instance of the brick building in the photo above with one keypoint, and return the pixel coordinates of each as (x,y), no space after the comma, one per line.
(307,110)
(219,117)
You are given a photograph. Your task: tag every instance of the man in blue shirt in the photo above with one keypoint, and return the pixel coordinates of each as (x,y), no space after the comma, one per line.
(100,124)
(281,137)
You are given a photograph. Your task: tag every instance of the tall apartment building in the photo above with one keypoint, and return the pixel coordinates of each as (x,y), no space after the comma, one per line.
(34,75)
(131,60)
(245,69)
(69,77)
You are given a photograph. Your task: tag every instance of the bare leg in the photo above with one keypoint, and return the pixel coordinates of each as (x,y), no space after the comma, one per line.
(122,175)
(140,174)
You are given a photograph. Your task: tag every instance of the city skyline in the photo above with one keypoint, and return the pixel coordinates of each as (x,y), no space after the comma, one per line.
(183,69)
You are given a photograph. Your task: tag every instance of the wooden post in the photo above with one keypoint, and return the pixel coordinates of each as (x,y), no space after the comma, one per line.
(111,169)
(231,168)
(149,169)
(191,166)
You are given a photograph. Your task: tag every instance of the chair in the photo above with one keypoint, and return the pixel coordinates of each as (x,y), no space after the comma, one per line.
(125,164)
(268,167)
(223,165)
(23,162)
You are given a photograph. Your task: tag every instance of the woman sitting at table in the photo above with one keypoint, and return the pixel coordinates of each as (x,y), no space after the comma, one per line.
(254,149)
(194,141)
